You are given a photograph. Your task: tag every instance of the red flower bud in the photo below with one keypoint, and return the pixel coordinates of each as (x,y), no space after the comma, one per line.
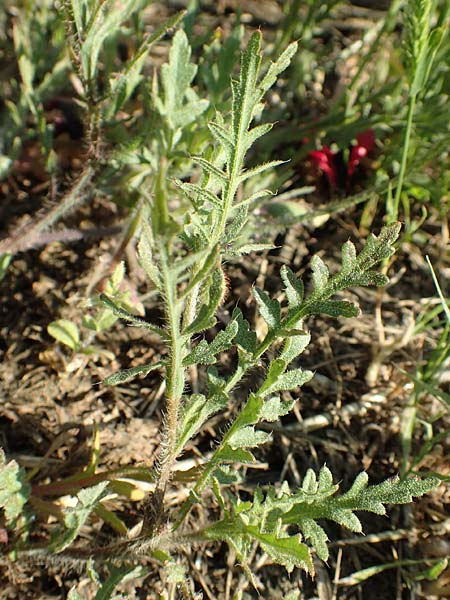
(365,143)
(325,161)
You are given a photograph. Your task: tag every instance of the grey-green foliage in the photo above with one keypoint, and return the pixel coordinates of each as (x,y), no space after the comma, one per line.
(183,257)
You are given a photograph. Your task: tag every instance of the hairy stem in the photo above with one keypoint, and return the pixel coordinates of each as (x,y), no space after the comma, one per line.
(28,236)
(175,373)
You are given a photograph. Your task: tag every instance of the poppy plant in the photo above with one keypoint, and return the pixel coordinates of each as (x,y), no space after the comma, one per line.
(329,162)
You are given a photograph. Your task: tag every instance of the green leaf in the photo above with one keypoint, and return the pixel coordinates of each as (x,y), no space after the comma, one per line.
(123,85)
(294,346)
(248,437)
(245,338)
(65,332)
(378,248)
(274,408)
(252,200)
(145,254)
(260,169)
(356,271)
(321,502)
(80,13)
(133,319)
(286,551)
(117,276)
(129,374)
(195,413)
(5,260)
(247,249)
(14,492)
(276,368)
(178,73)
(359,485)
(118,574)
(249,414)
(309,483)
(211,169)
(200,355)
(75,518)
(236,225)
(348,257)
(369,278)
(237,455)
(223,138)
(294,287)
(336,308)
(214,382)
(187,113)
(224,338)
(425,61)
(321,273)
(346,518)
(180,104)
(280,65)
(434,571)
(289,381)
(216,285)
(270,310)
(100,321)
(358,577)
(244,91)
(105,21)
(253,134)
(198,195)
(393,491)
(227,475)
(313,532)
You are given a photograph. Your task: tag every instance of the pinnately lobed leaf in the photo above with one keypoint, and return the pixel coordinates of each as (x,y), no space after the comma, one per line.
(340,509)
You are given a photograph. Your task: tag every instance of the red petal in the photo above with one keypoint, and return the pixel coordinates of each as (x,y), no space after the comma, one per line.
(366,142)
(325,161)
